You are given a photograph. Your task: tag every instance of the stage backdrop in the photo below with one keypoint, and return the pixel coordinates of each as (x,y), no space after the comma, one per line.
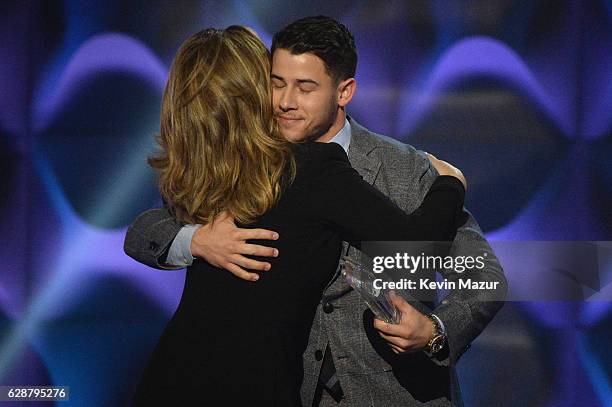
(516,93)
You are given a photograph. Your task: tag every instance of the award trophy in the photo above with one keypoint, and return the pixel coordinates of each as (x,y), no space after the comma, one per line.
(359,275)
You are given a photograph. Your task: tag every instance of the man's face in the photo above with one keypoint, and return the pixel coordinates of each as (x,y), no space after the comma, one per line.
(304,96)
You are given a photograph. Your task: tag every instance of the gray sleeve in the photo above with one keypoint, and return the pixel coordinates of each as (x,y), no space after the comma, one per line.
(149,237)
(179,254)
(465,313)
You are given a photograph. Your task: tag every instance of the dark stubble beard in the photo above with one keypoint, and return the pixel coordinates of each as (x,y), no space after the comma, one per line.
(331,113)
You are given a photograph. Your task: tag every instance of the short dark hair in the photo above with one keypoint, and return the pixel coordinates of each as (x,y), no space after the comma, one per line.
(324,37)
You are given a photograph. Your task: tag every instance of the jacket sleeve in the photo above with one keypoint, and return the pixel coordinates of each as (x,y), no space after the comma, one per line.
(464,312)
(149,237)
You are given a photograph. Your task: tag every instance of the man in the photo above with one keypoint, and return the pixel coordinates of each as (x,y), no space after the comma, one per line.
(351,359)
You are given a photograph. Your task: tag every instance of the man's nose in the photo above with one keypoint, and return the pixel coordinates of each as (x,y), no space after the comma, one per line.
(287,101)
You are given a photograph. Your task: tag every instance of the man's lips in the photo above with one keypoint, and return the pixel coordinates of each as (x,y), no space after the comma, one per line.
(287,120)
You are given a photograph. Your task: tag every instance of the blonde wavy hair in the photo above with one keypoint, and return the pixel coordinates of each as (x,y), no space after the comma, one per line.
(221,147)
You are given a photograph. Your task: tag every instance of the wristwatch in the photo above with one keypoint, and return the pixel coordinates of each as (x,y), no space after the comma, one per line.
(438,340)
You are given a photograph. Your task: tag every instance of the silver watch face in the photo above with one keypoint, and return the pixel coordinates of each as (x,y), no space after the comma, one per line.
(437,344)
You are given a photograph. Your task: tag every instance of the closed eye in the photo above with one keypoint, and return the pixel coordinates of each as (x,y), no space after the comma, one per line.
(307,89)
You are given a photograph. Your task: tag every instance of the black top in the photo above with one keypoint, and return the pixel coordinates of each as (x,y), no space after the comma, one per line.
(235,342)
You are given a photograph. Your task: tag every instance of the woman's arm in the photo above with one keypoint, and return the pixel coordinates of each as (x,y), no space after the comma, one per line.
(362,213)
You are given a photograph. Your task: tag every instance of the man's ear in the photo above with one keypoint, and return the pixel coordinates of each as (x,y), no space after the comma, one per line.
(346,90)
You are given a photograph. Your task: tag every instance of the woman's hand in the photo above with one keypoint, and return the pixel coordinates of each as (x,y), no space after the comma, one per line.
(445,168)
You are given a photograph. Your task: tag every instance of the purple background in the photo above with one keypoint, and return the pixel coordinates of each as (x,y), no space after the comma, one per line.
(516,93)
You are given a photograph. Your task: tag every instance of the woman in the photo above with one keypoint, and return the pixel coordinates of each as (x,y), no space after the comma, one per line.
(232,342)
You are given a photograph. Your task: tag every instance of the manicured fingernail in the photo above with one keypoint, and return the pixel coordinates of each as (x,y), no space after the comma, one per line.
(274,235)
(268,267)
(275,253)
(256,277)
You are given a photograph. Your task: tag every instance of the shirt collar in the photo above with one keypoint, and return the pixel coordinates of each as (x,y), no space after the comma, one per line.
(343,137)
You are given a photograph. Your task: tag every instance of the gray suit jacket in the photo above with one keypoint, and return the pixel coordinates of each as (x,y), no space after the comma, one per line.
(369,372)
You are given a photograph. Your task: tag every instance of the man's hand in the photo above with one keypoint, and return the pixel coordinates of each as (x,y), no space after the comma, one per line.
(222,244)
(411,334)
